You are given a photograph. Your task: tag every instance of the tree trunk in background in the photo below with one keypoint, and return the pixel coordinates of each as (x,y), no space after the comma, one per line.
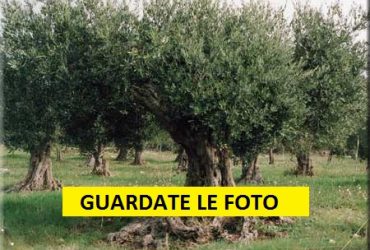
(271,156)
(59,154)
(208,165)
(183,161)
(330,155)
(179,152)
(304,166)
(357,147)
(250,170)
(138,160)
(253,173)
(122,154)
(90,161)
(40,176)
(101,166)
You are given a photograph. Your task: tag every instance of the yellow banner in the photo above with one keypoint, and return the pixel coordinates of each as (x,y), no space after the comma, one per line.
(185,201)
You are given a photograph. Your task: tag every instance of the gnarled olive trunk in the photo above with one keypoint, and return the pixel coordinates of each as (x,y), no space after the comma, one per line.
(271,156)
(138,160)
(101,166)
(250,170)
(304,164)
(40,175)
(90,161)
(208,165)
(122,154)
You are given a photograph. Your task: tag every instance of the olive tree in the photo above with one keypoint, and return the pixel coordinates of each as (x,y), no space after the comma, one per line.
(97,50)
(34,72)
(211,75)
(130,128)
(333,89)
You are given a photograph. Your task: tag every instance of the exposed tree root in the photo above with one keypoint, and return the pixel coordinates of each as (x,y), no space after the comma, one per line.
(31,185)
(172,232)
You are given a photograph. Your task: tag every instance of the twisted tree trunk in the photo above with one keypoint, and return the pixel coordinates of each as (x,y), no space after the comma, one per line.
(122,154)
(250,170)
(304,166)
(40,175)
(101,166)
(271,156)
(138,160)
(59,154)
(208,165)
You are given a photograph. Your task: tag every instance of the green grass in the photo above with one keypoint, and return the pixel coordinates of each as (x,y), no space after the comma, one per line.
(33,220)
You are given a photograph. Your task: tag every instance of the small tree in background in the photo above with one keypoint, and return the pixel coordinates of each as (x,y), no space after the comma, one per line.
(357,144)
(131,129)
(34,73)
(98,45)
(333,90)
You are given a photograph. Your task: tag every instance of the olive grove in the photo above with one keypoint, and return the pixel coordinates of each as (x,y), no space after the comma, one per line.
(222,81)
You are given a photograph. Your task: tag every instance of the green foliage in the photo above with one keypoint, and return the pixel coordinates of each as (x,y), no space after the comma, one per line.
(333,87)
(97,55)
(132,127)
(160,140)
(222,72)
(358,142)
(32,46)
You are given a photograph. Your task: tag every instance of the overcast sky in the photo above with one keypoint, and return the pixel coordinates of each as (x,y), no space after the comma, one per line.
(289,6)
(136,5)
(320,4)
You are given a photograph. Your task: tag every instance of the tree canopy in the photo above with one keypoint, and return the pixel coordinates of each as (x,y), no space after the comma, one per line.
(32,47)
(333,87)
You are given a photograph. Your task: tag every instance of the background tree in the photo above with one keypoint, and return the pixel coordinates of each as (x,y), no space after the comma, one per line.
(32,46)
(333,89)
(357,144)
(98,36)
(131,128)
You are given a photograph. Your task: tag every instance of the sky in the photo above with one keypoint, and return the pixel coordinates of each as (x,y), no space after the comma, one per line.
(289,6)
(320,4)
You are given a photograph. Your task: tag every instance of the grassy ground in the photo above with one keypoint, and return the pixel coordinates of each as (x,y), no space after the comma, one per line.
(34,221)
